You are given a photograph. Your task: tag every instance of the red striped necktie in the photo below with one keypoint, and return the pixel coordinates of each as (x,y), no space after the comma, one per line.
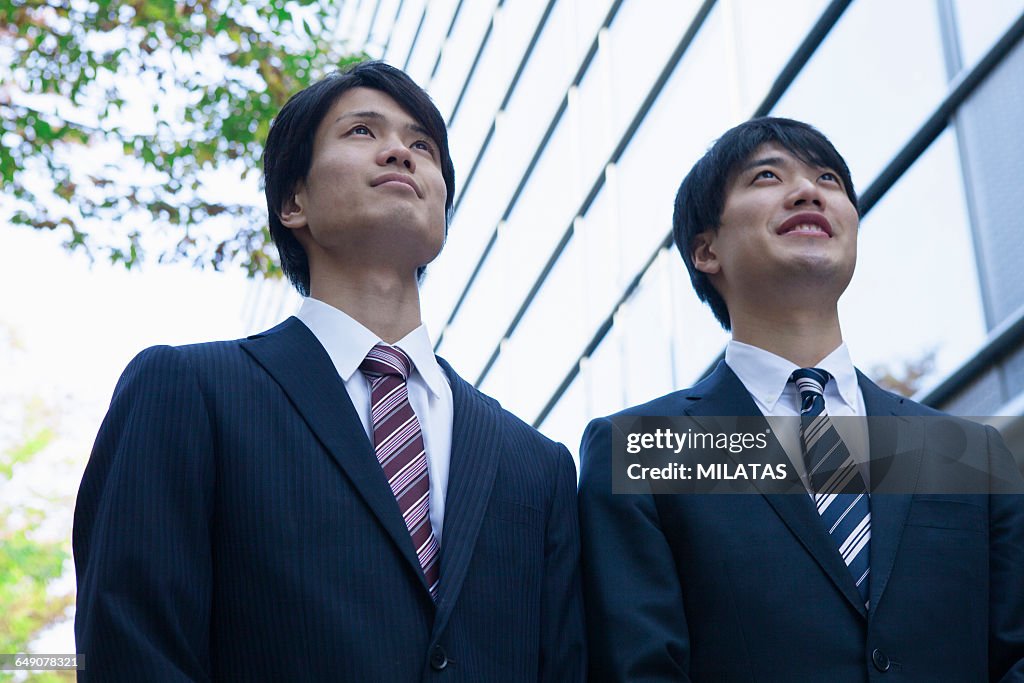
(399,444)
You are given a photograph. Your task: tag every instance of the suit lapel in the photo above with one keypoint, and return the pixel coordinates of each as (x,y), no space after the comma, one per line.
(896,450)
(291,354)
(723,394)
(476,448)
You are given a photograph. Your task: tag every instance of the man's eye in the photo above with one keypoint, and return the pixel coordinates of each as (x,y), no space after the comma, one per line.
(765,174)
(831,177)
(425,146)
(360,130)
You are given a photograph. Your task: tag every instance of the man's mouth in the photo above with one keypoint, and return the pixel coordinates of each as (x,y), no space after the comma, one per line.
(397,178)
(813,224)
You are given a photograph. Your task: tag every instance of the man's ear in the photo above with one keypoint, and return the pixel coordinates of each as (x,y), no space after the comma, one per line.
(292,213)
(705,259)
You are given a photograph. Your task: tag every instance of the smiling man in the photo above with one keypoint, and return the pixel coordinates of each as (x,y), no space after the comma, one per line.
(327,500)
(817,579)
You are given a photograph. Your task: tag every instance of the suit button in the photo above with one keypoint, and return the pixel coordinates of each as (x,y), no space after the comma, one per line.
(438,658)
(880,660)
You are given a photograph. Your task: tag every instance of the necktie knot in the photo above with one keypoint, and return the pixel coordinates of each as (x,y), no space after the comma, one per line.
(810,382)
(810,379)
(386,360)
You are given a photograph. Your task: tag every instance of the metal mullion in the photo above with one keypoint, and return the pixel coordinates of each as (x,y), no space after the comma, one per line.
(476,62)
(797,61)
(369,27)
(391,30)
(447,35)
(684,43)
(415,37)
(563,105)
(542,22)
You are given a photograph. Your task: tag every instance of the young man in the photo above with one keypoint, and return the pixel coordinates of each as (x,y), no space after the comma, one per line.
(833,586)
(327,500)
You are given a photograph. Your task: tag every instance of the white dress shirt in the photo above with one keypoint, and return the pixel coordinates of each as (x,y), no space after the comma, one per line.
(347,342)
(766,377)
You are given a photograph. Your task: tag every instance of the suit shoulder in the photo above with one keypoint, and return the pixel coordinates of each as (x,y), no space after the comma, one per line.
(879,397)
(164,357)
(183,365)
(674,403)
(513,424)
(913,408)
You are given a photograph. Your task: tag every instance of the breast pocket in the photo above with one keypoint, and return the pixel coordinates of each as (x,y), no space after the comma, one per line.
(958,514)
(515,513)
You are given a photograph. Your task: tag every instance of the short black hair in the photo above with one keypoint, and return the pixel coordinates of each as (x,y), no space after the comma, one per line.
(288,154)
(701,197)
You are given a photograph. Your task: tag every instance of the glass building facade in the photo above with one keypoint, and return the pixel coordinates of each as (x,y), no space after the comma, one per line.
(572,123)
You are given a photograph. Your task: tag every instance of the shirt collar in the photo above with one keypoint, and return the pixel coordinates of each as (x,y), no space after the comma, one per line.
(765,375)
(347,341)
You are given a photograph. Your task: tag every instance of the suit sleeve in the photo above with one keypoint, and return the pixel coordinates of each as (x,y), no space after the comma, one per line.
(563,641)
(141,531)
(1006,567)
(636,625)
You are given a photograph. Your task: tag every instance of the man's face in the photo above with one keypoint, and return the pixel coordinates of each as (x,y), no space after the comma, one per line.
(784,223)
(374,194)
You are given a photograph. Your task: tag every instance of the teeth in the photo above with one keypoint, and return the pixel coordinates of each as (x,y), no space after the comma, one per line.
(806,228)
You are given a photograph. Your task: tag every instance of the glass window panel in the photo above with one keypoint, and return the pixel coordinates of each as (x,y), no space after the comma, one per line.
(588,112)
(646,320)
(552,330)
(544,82)
(989,130)
(601,235)
(916,286)
(520,253)
(432,35)
(404,31)
(471,229)
(690,113)
(567,420)
(763,37)
(605,379)
(347,17)
(481,321)
(586,18)
(458,53)
(697,338)
(639,42)
(514,24)
(630,55)
(523,247)
(382,25)
(855,96)
(546,206)
(360,26)
(982,23)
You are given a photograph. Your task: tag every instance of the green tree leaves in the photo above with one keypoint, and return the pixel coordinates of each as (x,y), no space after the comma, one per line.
(29,562)
(120,120)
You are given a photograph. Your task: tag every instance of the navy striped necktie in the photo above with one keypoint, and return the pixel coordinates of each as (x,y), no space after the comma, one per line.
(840,494)
(399,444)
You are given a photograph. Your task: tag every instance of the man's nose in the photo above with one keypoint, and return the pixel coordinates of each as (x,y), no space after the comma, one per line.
(806,191)
(394,151)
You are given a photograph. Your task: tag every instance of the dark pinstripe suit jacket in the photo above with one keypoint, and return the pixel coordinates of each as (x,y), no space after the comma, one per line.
(233,524)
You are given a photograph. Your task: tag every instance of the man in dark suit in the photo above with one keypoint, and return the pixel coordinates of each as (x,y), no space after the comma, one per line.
(327,500)
(829,583)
